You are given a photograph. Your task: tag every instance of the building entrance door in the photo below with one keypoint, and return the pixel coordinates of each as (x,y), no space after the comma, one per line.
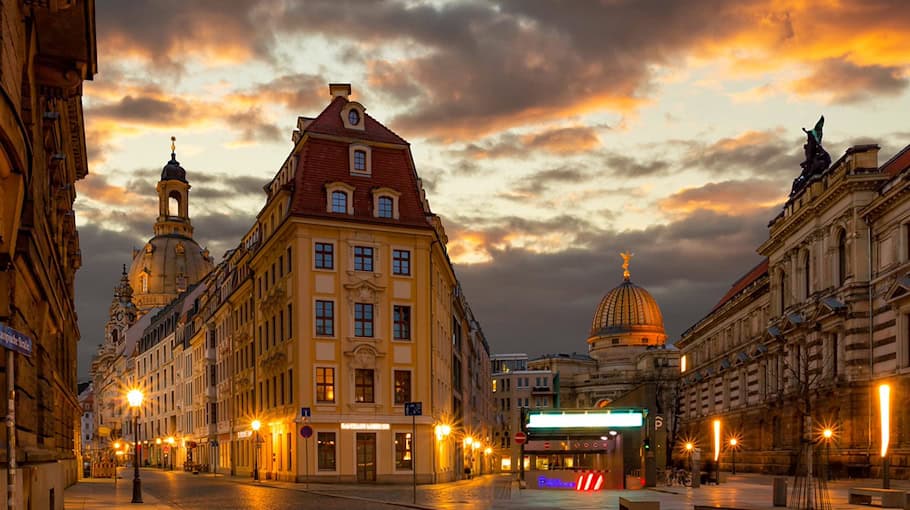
(366,457)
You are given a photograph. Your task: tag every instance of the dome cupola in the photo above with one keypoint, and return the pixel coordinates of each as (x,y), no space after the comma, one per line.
(172,171)
(627,316)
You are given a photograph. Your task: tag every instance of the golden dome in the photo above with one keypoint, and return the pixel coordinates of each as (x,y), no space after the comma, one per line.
(626,309)
(627,315)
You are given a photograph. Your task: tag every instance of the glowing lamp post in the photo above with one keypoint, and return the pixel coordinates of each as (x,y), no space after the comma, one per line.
(884,400)
(256,425)
(827,434)
(717,449)
(134,397)
(733,445)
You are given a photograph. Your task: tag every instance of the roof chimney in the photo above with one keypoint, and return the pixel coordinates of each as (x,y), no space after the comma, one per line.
(340,89)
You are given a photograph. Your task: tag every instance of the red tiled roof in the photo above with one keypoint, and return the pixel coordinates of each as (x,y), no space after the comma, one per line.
(329,123)
(323,161)
(754,274)
(898,163)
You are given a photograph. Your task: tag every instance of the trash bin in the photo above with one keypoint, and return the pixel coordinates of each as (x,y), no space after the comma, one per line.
(780,491)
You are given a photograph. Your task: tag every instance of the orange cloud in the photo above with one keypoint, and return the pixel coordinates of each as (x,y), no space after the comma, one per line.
(727,197)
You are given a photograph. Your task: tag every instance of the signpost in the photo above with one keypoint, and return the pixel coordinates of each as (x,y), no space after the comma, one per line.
(13,341)
(520,438)
(413,409)
(306,432)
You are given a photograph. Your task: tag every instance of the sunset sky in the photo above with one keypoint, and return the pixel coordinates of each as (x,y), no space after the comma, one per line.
(550,135)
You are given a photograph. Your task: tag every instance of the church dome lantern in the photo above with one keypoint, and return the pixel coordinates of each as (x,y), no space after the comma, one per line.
(627,316)
(171,261)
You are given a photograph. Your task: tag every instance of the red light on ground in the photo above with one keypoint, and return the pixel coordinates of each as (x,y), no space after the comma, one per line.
(589,482)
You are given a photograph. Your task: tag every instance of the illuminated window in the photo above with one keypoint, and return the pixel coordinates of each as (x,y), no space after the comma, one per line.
(325,384)
(403,450)
(402,386)
(325,445)
(363,385)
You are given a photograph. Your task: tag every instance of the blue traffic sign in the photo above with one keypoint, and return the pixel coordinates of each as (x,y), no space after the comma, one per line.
(304,412)
(306,431)
(413,409)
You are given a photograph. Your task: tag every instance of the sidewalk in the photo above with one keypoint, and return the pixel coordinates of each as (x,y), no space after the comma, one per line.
(100,493)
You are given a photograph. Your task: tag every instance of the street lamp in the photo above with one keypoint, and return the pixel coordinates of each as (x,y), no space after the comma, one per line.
(827,434)
(170,442)
(733,445)
(134,397)
(884,399)
(256,424)
(717,449)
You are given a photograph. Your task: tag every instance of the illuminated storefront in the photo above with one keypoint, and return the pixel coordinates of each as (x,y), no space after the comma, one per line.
(583,449)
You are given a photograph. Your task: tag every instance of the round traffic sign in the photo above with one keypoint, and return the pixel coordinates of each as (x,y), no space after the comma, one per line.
(306,431)
(520,437)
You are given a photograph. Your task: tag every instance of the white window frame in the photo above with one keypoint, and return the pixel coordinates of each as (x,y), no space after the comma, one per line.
(386,192)
(368,164)
(343,187)
(354,105)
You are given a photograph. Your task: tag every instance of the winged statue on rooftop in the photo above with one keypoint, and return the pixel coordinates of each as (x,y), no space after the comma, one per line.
(817,158)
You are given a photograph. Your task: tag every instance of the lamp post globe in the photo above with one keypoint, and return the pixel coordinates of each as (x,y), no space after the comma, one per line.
(134,397)
(256,425)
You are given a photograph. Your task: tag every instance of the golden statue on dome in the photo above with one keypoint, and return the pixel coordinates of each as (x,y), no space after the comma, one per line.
(626,257)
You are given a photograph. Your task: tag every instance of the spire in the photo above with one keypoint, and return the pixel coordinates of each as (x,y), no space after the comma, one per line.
(626,257)
(174,149)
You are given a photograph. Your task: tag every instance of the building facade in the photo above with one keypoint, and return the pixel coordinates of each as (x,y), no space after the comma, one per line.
(48,50)
(802,342)
(337,308)
(516,387)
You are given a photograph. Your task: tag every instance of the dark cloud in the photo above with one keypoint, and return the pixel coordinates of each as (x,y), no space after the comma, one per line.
(529,302)
(103,254)
(140,109)
(727,196)
(298,92)
(252,126)
(166,32)
(559,141)
(226,187)
(541,181)
(622,165)
(846,82)
(221,232)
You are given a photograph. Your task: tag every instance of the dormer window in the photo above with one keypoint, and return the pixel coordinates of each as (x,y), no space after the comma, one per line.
(385,207)
(339,202)
(352,116)
(360,160)
(385,203)
(339,198)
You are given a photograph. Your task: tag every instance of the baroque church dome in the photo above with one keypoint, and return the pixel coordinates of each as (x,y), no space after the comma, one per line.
(627,316)
(171,261)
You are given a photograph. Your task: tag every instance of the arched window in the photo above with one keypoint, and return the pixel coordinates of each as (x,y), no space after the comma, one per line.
(144,283)
(841,257)
(339,202)
(173,204)
(386,206)
(807,281)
